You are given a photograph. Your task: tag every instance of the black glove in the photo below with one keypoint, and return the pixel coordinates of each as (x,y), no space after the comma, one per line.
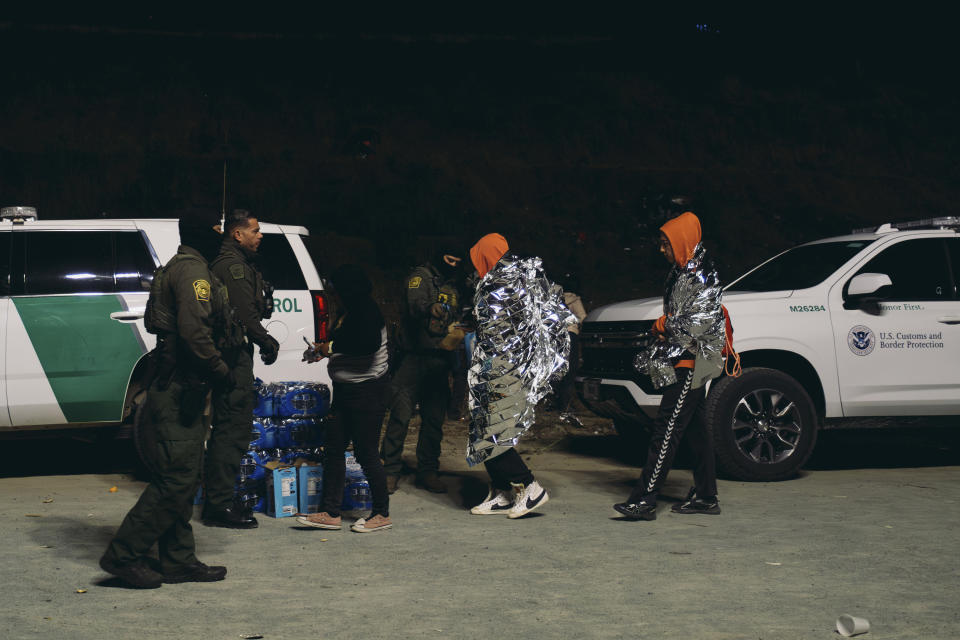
(269,350)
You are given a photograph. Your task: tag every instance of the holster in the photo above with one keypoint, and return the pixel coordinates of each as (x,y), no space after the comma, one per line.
(193,400)
(163,363)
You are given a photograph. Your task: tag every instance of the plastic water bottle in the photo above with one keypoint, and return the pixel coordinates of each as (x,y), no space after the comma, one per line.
(266,400)
(251,466)
(356,489)
(263,435)
(250,495)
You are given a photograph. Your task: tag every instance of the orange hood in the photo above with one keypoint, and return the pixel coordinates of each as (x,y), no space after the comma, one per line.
(684,235)
(487,252)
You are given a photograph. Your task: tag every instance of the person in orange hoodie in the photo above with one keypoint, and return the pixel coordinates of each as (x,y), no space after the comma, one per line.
(690,336)
(522,344)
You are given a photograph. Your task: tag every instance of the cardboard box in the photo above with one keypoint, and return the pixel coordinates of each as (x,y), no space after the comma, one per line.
(281,492)
(310,481)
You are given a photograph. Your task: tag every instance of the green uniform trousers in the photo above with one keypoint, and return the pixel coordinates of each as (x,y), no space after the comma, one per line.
(422,377)
(162,514)
(230,439)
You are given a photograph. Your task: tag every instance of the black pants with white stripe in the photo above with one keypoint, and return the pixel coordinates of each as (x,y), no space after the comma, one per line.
(675,416)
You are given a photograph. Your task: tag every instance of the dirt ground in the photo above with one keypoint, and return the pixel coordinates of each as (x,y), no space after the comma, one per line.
(868,529)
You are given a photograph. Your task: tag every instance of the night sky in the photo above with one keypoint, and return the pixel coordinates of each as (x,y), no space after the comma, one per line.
(391,136)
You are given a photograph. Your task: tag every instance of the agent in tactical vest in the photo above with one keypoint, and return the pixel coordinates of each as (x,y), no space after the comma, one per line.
(189,311)
(233,405)
(428,336)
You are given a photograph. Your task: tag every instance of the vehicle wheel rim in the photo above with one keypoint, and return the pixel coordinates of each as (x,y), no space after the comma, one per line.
(766,426)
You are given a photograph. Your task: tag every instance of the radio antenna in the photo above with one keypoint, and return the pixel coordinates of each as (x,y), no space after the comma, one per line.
(223,202)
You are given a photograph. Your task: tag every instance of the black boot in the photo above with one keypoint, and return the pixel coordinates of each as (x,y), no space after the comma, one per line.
(196,572)
(431,482)
(233,517)
(136,574)
(392,483)
(645,509)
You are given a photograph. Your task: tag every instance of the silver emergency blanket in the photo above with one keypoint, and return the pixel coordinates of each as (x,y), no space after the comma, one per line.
(694,324)
(522,343)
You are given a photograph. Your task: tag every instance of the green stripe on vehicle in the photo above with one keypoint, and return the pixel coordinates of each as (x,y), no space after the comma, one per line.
(86,356)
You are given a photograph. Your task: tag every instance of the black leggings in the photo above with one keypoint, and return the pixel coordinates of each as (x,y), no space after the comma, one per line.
(359,408)
(507,468)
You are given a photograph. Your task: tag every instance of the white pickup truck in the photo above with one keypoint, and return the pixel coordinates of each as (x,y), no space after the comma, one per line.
(866,324)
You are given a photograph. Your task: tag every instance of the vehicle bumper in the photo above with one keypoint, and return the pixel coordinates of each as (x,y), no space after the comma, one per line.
(612,398)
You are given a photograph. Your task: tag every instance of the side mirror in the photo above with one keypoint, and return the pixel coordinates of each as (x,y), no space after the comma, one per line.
(860,290)
(866,283)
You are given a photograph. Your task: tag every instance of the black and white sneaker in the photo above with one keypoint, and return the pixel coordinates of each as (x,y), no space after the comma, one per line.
(709,506)
(497,501)
(642,510)
(527,498)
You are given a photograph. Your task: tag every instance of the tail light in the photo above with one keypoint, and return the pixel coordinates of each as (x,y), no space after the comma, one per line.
(321,315)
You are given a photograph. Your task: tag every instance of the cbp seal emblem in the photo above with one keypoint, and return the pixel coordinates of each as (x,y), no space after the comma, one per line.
(861,340)
(202,289)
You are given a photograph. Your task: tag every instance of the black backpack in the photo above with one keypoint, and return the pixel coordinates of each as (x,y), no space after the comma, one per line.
(160,319)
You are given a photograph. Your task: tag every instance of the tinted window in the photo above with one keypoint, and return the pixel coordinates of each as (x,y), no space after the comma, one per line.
(954,246)
(135,265)
(5,263)
(278,263)
(800,267)
(68,262)
(918,269)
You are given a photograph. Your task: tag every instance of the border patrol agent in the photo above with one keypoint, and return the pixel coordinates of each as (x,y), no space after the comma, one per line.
(252,299)
(189,311)
(426,340)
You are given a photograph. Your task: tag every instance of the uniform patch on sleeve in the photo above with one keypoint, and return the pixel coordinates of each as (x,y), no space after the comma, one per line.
(236,270)
(414,282)
(202,289)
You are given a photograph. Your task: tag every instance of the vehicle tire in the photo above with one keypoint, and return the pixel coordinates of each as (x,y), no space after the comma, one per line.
(764,424)
(633,440)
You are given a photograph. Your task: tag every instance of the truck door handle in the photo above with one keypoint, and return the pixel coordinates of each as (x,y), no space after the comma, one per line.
(130,315)
(949,319)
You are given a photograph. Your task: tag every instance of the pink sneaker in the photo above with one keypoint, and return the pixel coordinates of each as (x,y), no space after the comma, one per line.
(369,525)
(322,520)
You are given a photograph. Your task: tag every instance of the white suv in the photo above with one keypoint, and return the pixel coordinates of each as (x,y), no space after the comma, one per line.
(866,324)
(72,295)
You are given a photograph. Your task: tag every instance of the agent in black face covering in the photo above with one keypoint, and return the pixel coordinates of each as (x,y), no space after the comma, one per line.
(197,232)
(173,414)
(426,342)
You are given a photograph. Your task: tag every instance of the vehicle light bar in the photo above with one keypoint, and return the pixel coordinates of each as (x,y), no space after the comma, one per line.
(18,214)
(943,222)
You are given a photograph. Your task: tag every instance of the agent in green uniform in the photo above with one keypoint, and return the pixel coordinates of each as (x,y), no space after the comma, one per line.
(233,406)
(189,312)
(426,340)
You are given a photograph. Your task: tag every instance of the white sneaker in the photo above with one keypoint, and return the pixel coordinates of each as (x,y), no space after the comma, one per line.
(497,501)
(526,499)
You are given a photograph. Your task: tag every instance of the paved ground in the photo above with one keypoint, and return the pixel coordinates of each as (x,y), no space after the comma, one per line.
(870,530)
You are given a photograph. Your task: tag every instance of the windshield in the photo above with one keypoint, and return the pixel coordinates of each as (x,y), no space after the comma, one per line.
(799,268)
